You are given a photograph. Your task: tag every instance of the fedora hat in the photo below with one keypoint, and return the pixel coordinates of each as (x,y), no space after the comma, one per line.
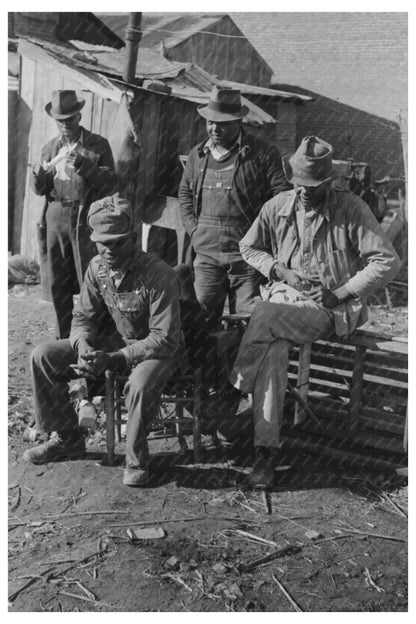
(64,104)
(224,104)
(311,164)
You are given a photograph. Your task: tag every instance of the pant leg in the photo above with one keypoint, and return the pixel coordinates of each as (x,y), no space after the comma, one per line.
(244,286)
(262,360)
(211,286)
(63,279)
(142,391)
(303,321)
(269,394)
(50,370)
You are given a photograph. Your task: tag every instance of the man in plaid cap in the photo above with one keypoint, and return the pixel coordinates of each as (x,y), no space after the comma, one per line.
(75,169)
(127,318)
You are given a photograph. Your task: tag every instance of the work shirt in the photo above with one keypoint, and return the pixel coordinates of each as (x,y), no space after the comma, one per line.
(143,309)
(349,248)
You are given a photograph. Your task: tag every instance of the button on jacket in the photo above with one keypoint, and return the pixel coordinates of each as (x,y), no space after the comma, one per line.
(349,248)
(143,309)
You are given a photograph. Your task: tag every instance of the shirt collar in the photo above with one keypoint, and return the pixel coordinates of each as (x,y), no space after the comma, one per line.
(80,139)
(219,154)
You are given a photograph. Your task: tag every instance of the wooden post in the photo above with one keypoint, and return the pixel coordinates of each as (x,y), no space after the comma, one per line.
(197,414)
(302,385)
(109,415)
(356,389)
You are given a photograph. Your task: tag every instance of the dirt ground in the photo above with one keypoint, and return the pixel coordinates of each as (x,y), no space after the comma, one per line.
(338,536)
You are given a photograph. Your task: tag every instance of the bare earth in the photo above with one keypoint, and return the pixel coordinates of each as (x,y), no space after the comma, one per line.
(69,549)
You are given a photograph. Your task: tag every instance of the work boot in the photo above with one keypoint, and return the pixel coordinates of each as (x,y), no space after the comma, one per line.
(135,476)
(262,475)
(62,445)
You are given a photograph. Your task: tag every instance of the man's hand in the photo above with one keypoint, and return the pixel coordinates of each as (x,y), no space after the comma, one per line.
(95,362)
(74,159)
(281,272)
(38,170)
(323,296)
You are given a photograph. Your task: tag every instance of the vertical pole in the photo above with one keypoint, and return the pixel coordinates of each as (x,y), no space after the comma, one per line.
(356,390)
(132,36)
(109,414)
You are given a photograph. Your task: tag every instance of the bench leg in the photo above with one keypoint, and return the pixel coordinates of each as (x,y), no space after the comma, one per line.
(197,414)
(109,411)
(356,390)
(302,385)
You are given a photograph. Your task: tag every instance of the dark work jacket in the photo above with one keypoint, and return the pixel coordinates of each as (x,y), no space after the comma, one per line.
(258,176)
(98,180)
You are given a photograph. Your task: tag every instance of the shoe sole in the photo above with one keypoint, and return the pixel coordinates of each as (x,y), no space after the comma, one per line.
(137,484)
(39,462)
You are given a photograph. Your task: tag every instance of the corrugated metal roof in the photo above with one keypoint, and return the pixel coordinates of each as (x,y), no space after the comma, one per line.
(172,28)
(186,80)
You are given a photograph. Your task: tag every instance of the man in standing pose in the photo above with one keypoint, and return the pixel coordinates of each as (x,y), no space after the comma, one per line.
(227,178)
(75,169)
(324,252)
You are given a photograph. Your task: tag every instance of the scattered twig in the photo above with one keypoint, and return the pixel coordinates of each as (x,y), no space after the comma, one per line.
(286,593)
(178,579)
(370,581)
(266,502)
(86,513)
(163,521)
(97,602)
(281,552)
(251,536)
(395,506)
(86,591)
(17,501)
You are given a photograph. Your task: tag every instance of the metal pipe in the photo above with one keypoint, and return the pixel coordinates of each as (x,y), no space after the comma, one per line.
(132,37)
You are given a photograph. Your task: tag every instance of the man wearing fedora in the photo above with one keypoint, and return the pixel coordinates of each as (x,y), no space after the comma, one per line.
(227,178)
(75,169)
(127,318)
(323,252)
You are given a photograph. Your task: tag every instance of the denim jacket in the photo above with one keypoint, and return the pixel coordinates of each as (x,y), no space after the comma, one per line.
(349,246)
(143,310)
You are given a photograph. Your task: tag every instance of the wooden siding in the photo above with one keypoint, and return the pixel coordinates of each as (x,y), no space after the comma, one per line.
(35,129)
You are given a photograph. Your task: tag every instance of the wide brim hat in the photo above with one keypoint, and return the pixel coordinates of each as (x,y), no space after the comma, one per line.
(311,164)
(224,104)
(64,104)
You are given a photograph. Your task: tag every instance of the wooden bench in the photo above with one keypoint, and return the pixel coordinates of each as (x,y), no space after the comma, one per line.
(357,389)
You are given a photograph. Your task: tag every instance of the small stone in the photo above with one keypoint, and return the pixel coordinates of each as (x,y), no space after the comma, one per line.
(312,535)
(172,563)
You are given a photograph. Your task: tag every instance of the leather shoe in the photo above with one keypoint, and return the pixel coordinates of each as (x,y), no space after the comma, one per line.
(262,475)
(135,476)
(63,445)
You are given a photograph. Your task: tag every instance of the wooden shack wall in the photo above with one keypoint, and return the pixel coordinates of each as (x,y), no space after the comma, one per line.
(227,58)
(35,129)
(167,127)
(11,164)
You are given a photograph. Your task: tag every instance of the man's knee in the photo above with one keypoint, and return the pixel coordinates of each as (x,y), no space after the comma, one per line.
(52,354)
